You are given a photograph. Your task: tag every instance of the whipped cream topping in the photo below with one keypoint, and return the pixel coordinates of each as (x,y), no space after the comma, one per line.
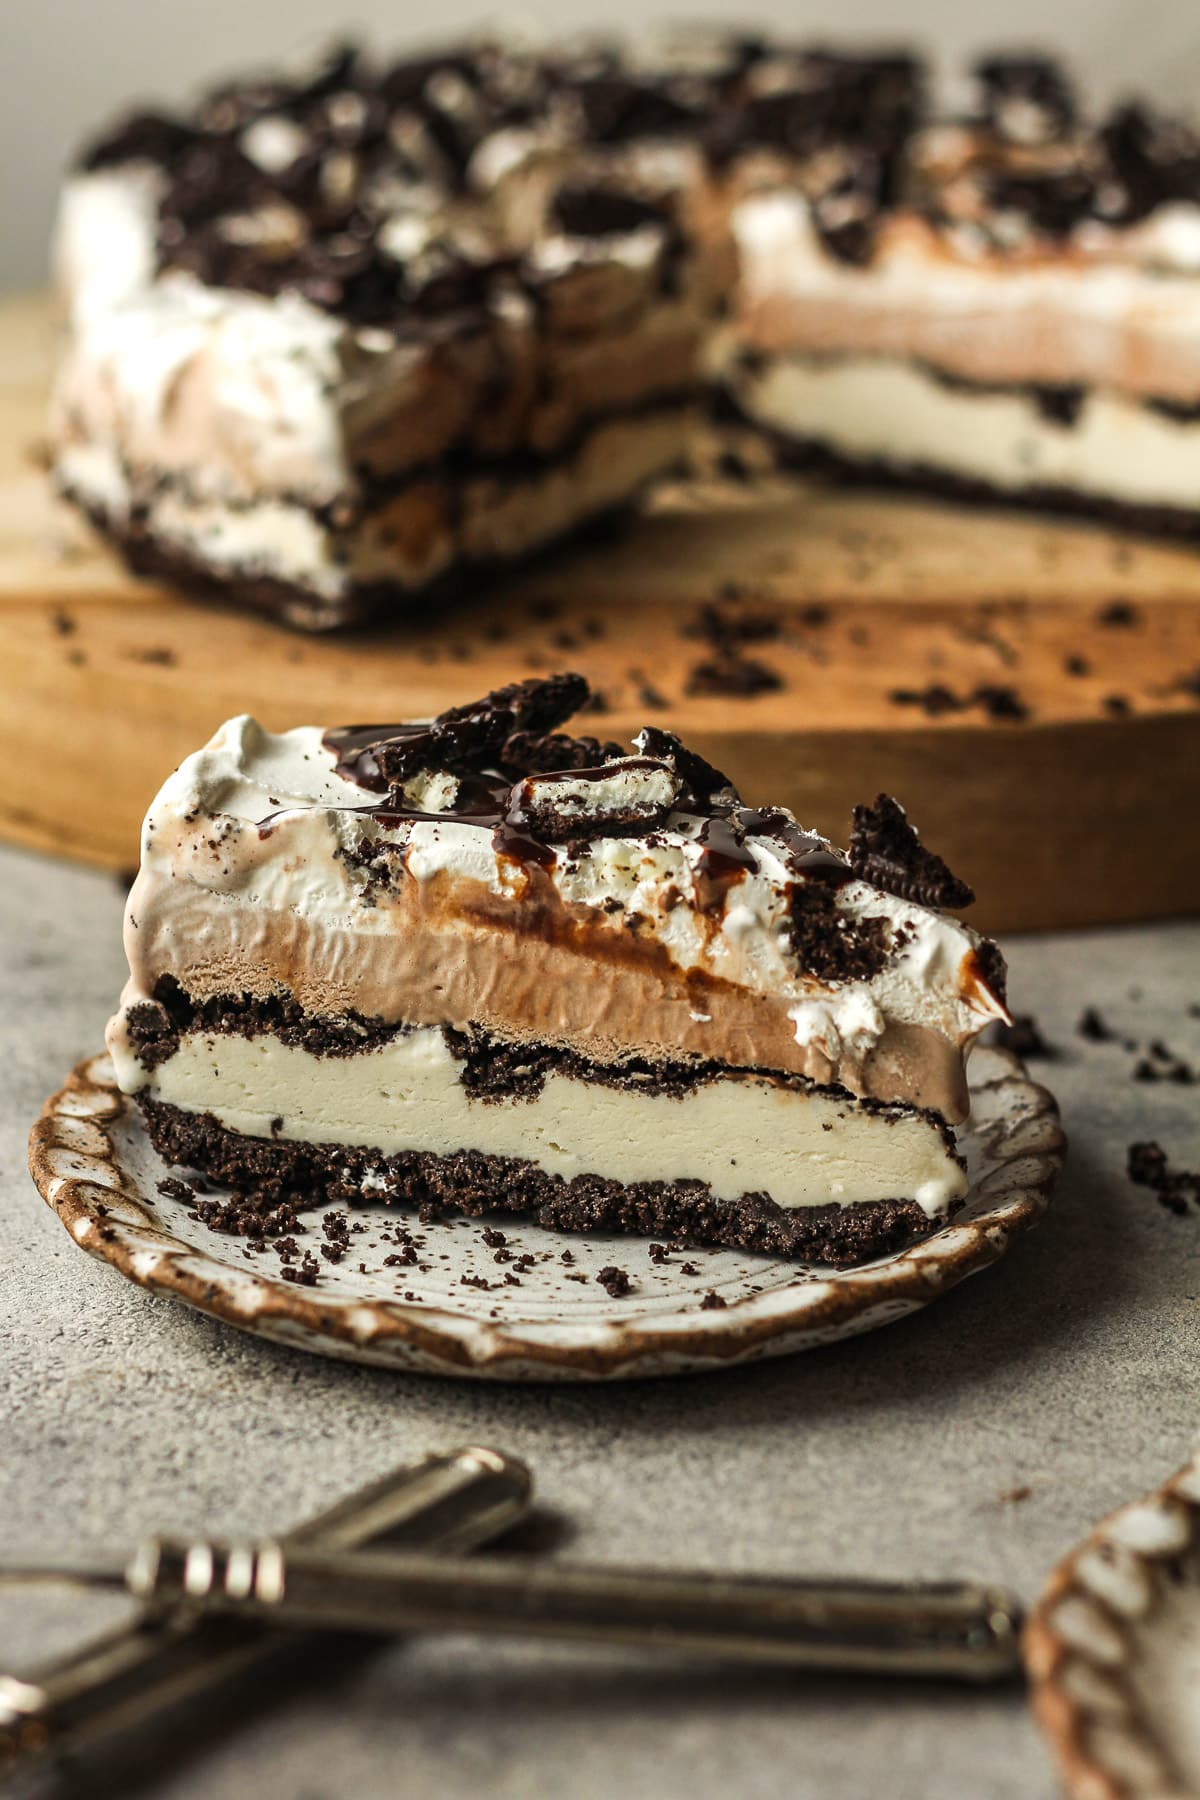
(232,393)
(104,246)
(263,823)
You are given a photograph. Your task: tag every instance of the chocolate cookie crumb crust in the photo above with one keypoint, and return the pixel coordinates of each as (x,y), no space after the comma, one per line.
(274,1172)
(813,457)
(156,1026)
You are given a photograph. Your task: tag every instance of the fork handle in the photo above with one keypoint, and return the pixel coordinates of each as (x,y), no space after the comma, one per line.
(955,1630)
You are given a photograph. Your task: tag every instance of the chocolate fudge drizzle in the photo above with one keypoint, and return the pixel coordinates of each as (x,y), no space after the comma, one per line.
(492,785)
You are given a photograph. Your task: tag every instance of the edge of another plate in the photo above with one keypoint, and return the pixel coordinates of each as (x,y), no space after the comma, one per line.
(1080,1657)
(78,1169)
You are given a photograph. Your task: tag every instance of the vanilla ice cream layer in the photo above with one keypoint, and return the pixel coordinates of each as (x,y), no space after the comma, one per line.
(409,539)
(1081,315)
(870,409)
(741,1135)
(428,920)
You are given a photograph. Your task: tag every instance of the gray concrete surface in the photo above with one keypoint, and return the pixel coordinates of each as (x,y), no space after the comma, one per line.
(1066,1375)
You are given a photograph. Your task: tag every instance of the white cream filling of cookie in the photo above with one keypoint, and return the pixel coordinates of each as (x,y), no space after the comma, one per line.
(868,408)
(740,1134)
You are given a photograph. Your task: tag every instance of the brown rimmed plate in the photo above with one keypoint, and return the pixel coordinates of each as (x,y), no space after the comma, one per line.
(93,1163)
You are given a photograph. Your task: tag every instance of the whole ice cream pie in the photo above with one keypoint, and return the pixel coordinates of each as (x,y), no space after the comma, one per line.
(346,335)
(474,964)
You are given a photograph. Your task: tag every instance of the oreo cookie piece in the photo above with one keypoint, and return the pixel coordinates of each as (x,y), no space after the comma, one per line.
(635,794)
(474,736)
(821,99)
(1151,160)
(885,850)
(1025,99)
(542,753)
(617,108)
(141,137)
(701,785)
(1053,202)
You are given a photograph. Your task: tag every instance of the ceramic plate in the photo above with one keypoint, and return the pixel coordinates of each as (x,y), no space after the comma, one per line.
(93,1164)
(1113,1652)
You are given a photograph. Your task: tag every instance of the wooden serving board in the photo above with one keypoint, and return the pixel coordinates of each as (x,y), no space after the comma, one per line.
(1082,811)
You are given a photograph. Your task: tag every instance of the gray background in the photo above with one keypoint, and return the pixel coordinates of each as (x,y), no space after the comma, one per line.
(65,64)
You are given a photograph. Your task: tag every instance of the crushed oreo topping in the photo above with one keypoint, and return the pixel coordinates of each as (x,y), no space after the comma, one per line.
(885,850)
(1152,159)
(298,181)
(358,185)
(603,212)
(817,99)
(1053,202)
(617,108)
(537,788)
(831,943)
(543,753)
(1026,99)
